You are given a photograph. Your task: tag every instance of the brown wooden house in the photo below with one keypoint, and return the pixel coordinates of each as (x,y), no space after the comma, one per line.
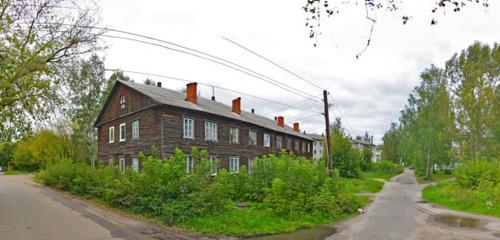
(137,116)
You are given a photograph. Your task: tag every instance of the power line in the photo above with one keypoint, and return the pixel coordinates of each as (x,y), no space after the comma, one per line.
(273,63)
(306,116)
(211,85)
(262,77)
(296,103)
(342,115)
(228,64)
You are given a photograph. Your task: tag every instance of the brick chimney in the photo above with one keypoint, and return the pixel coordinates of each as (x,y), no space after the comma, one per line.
(281,121)
(191,92)
(296,127)
(237,106)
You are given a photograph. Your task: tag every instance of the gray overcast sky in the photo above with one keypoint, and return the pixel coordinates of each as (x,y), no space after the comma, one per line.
(370,91)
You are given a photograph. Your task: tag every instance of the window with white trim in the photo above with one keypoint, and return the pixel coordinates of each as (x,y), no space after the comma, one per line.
(251,163)
(297,147)
(189,164)
(304,147)
(188,128)
(122,165)
(279,142)
(123,102)
(111,134)
(252,137)
(289,143)
(267,140)
(213,165)
(135,129)
(135,164)
(234,135)
(210,131)
(123,129)
(308,147)
(234,164)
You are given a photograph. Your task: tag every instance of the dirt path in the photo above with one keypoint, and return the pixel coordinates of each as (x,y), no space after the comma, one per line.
(398,212)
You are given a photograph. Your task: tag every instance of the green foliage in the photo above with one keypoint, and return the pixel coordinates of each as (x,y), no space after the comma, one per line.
(6,153)
(478,174)
(477,188)
(474,75)
(451,116)
(346,159)
(453,196)
(42,149)
(279,189)
(32,62)
(388,167)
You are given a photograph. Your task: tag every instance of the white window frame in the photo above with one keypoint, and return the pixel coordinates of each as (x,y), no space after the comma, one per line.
(213,165)
(252,137)
(188,128)
(136,124)
(124,131)
(189,164)
(122,164)
(123,102)
(267,140)
(111,134)
(234,135)
(251,162)
(135,164)
(210,131)
(296,146)
(234,164)
(279,142)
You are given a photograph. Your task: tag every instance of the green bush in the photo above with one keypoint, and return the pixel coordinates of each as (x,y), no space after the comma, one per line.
(479,173)
(388,167)
(284,186)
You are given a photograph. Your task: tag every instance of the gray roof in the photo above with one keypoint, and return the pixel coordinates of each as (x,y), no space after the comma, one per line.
(317,137)
(177,99)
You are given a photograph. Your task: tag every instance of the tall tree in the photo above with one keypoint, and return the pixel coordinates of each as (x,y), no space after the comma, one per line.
(37,40)
(474,74)
(87,85)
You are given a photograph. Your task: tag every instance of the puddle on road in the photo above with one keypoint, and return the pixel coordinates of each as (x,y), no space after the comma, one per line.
(456,221)
(317,233)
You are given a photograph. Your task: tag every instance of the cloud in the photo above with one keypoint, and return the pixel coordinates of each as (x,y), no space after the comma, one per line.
(370,91)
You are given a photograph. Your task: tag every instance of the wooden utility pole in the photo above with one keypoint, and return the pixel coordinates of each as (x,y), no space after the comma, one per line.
(329,162)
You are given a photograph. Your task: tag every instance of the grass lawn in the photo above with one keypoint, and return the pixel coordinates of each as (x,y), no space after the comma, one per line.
(379,175)
(253,222)
(450,195)
(436,177)
(362,185)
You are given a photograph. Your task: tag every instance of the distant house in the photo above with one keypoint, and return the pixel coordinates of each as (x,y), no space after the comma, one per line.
(137,116)
(317,148)
(366,143)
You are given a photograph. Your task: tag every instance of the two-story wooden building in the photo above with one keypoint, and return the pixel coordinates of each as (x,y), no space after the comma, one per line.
(137,116)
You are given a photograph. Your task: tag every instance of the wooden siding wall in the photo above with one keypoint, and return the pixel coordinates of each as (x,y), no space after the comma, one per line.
(149,135)
(172,120)
(163,126)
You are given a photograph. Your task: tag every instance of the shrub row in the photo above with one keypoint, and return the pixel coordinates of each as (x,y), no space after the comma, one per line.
(284,185)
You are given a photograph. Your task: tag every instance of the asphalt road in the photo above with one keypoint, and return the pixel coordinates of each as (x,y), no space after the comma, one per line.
(398,212)
(391,216)
(32,212)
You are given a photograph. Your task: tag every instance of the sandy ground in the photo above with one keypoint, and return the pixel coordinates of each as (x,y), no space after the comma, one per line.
(398,212)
